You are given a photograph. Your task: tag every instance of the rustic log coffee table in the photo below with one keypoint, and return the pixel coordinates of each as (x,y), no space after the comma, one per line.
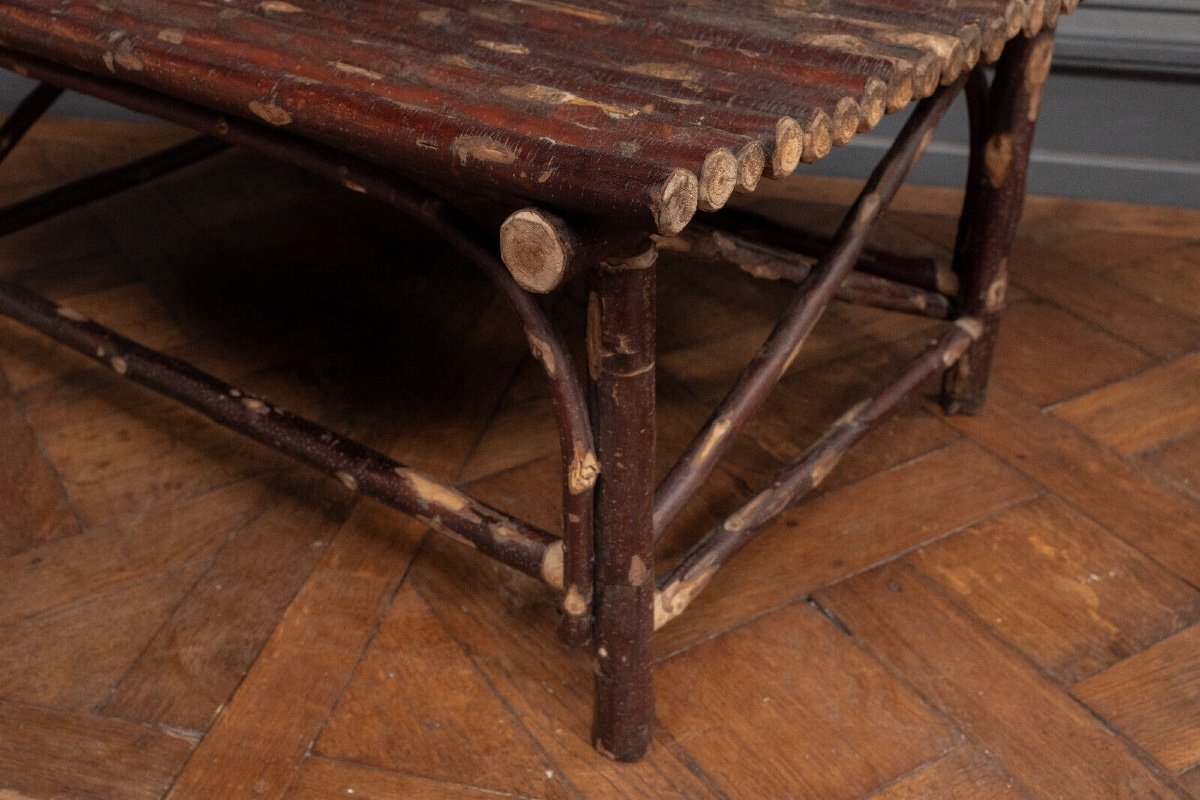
(546,140)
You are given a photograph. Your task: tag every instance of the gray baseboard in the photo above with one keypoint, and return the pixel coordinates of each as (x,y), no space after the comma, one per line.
(1104,137)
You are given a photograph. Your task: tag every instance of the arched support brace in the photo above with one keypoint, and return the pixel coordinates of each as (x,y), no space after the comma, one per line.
(569,563)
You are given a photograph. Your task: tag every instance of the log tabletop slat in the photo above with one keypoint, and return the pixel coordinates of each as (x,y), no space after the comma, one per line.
(607,108)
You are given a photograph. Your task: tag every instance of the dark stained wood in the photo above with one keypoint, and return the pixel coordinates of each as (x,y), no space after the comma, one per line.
(990,692)
(54,754)
(69,646)
(1103,487)
(1066,593)
(1154,699)
(33,506)
(965,774)
(322,778)
(820,719)
(1003,114)
(416,696)
(815,545)
(462,89)
(1116,415)
(621,344)
(265,731)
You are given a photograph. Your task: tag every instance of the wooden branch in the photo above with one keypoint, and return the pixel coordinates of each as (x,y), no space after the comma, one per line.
(751,163)
(694,571)
(1001,142)
(931,274)
(359,468)
(774,263)
(785,341)
(25,115)
(621,331)
(39,208)
(575,436)
(544,251)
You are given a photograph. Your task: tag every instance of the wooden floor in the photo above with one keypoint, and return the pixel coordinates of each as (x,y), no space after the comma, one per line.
(1002,606)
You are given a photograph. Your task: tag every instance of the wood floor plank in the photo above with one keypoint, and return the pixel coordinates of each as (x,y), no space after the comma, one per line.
(260,739)
(823,541)
(196,660)
(1150,326)
(1039,735)
(1178,462)
(52,754)
(67,570)
(417,704)
(965,774)
(710,367)
(1144,411)
(72,657)
(823,720)
(505,621)
(1038,338)
(1154,699)
(1171,279)
(1191,781)
(806,404)
(1097,482)
(1060,588)
(156,458)
(33,505)
(322,778)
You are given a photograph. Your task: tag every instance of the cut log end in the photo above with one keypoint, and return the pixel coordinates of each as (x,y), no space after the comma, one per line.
(926,75)
(674,202)
(846,115)
(1037,17)
(535,249)
(751,161)
(789,147)
(718,177)
(971,37)
(995,36)
(955,63)
(900,92)
(872,104)
(818,138)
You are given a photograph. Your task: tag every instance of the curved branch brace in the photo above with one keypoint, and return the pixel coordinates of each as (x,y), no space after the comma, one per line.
(568,563)
(678,588)
(785,341)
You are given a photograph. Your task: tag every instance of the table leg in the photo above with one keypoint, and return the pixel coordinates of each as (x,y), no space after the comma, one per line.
(1002,138)
(621,341)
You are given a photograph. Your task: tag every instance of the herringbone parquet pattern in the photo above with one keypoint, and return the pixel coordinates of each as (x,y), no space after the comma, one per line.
(989,607)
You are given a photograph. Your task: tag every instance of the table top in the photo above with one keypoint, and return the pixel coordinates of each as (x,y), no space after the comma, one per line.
(639,111)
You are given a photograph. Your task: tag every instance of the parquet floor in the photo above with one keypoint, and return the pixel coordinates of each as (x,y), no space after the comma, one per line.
(1002,606)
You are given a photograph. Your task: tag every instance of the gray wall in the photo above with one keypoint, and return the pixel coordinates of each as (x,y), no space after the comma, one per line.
(1119,122)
